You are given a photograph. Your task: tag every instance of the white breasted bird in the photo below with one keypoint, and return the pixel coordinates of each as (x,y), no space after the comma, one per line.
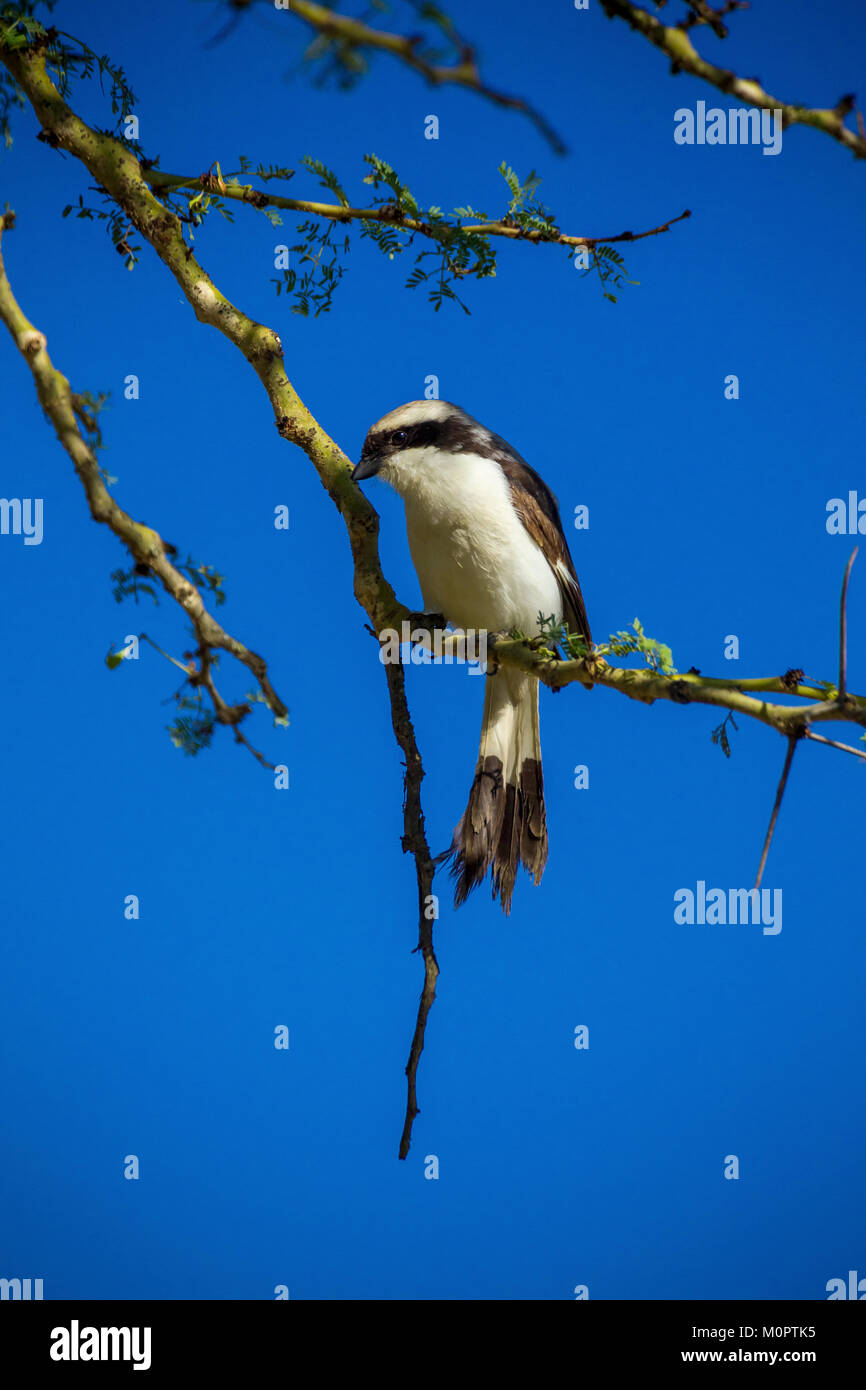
(490,553)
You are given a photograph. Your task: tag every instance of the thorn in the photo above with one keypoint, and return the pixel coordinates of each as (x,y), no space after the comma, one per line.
(783,782)
(843,626)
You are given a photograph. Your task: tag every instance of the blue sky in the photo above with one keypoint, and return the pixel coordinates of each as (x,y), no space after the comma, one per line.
(557,1167)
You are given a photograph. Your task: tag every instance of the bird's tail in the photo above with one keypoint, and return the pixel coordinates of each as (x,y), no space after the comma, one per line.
(504,824)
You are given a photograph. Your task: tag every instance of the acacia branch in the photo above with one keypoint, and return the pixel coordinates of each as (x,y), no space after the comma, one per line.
(648,684)
(353,34)
(119,173)
(143,543)
(163,183)
(674,41)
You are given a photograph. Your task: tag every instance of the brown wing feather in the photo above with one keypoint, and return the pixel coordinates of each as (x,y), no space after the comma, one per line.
(537,508)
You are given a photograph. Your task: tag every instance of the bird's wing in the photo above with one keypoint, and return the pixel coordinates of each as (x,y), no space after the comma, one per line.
(537,508)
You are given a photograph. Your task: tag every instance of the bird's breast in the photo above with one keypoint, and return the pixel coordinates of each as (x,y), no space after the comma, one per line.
(475,561)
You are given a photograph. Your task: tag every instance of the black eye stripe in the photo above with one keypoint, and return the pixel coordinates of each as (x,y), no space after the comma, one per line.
(454,434)
(424,434)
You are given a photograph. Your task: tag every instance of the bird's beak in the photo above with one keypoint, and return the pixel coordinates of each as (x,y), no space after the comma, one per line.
(367,467)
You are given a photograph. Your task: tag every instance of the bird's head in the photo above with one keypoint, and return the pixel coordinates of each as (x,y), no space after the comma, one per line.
(409,440)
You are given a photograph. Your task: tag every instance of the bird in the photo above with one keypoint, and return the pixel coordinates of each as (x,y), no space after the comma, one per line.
(490,553)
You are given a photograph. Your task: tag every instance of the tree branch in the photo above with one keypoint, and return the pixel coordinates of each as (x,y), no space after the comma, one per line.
(143,543)
(676,44)
(647,684)
(832,742)
(353,34)
(338,212)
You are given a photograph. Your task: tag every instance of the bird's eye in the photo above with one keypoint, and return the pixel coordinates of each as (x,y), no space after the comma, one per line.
(399,437)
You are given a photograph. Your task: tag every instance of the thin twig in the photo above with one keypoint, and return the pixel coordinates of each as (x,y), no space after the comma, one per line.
(845,747)
(843,626)
(783,780)
(228,715)
(707,14)
(240,737)
(414,843)
(184,666)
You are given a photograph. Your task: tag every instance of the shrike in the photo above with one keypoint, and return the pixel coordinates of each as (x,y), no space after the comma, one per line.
(490,553)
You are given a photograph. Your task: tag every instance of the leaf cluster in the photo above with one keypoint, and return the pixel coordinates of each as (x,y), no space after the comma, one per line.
(138,579)
(609,266)
(119,228)
(719,735)
(456,253)
(557,638)
(68,58)
(193,728)
(626,643)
